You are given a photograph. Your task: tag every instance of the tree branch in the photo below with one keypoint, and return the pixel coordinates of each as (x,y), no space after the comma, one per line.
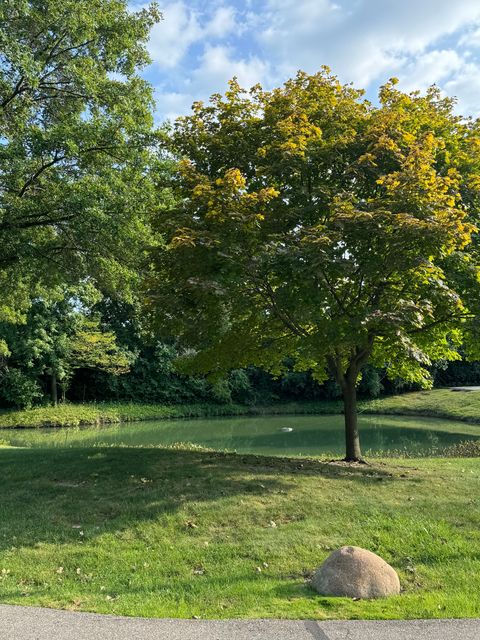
(28,224)
(448,318)
(43,167)
(334,295)
(266,291)
(17,89)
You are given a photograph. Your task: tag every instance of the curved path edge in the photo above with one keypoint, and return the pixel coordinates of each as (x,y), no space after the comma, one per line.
(32,623)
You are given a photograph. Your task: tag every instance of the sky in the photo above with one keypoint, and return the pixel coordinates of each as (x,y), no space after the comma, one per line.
(201,44)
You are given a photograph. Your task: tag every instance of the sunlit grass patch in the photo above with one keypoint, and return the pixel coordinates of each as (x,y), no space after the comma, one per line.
(184,532)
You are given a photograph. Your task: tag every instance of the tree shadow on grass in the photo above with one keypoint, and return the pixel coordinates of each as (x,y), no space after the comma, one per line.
(48,494)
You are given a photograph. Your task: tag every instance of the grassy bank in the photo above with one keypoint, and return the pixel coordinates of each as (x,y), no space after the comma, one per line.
(158,532)
(441,403)
(437,403)
(103,413)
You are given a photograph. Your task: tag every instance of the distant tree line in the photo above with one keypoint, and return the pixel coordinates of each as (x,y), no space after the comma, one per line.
(77,346)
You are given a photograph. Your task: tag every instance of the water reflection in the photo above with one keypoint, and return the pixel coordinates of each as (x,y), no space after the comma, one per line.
(309,435)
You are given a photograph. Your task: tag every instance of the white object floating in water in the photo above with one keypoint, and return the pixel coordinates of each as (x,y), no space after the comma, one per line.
(286,429)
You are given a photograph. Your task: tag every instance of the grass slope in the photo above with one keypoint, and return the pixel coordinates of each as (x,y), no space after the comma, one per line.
(437,403)
(158,532)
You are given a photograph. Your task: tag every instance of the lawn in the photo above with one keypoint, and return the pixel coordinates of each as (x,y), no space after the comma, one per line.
(186,532)
(440,403)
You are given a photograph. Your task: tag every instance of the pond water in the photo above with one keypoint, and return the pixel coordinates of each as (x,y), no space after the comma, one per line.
(310,435)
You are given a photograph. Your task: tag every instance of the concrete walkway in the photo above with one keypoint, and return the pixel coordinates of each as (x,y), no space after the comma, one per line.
(29,623)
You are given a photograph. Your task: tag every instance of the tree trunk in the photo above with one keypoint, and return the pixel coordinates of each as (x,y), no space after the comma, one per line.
(54,389)
(352,439)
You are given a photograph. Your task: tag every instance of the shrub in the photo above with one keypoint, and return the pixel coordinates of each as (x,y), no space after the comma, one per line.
(19,390)
(370,384)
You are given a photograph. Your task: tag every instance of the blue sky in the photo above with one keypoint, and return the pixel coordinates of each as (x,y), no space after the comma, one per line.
(202,43)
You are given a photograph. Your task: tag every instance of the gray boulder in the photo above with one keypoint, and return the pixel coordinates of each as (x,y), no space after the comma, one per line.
(353,572)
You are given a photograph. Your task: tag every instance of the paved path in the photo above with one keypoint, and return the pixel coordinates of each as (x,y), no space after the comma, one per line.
(464,388)
(29,623)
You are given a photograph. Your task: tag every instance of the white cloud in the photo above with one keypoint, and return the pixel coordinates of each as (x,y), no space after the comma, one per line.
(465,86)
(183,26)
(222,23)
(430,68)
(201,44)
(470,39)
(362,40)
(172,104)
(218,65)
(171,38)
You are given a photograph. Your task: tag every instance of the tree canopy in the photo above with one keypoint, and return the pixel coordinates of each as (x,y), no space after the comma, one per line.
(316,226)
(60,335)
(76,143)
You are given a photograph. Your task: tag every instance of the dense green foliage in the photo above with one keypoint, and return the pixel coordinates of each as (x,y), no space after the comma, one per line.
(100,349)
(78,156)
(76,145)
(314,226)
(130,364)
(59,336)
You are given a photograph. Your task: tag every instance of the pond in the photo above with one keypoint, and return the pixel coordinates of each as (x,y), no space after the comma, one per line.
(309,435)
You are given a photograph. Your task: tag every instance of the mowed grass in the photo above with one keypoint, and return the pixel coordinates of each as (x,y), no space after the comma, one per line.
(437,403)
(187,532)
